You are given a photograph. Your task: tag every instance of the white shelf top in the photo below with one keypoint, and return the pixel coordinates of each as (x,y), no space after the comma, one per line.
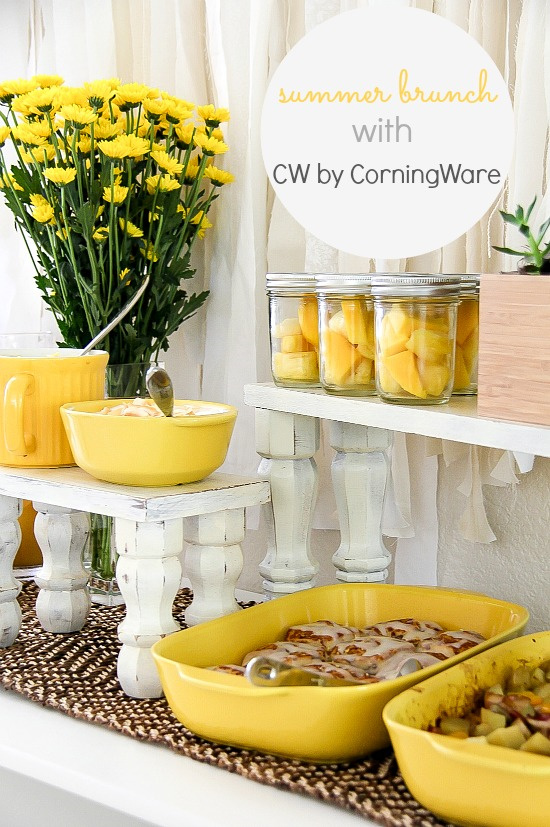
(73,488)
(145,783)
(457,420)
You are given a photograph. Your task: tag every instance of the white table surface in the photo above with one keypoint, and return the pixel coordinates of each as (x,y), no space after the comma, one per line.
(56,771)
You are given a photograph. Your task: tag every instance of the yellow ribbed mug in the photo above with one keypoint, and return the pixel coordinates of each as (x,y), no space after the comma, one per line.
(34,383)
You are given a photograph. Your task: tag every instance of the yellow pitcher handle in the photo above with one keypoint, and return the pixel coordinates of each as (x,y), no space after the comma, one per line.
(17,442)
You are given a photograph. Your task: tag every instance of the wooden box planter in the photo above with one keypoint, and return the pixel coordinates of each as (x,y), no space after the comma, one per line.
(514,348)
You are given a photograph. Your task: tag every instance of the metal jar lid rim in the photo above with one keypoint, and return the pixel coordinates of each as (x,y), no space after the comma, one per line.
(416,284)
(290,282)
(352,284)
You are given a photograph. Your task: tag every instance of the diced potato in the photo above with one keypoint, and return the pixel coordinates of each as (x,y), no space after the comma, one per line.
(401,322)
(297,367)
(467,319)
(387,382)
(356,321)
(294,344)
(470,349)
(308,316)
(429,345)
(288,327)
(538,743)
(402,367)
(392,342)
(337,323)
(510,737)
(362,373)
(366,349)
(434,378)
(451,726)
(494,719)
(439,324)
(339,358)
(462,376)
(482,729)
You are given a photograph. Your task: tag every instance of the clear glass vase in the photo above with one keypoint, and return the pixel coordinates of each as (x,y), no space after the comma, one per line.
(124,382)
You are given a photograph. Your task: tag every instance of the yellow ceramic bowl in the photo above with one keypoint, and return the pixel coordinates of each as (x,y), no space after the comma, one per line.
(323,724)
(469,782)
(148,451)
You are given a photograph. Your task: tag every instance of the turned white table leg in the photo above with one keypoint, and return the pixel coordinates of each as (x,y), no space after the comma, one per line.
(359,476)
(10,538)
(63,602)
(288,442)
(148,575)
(213,562)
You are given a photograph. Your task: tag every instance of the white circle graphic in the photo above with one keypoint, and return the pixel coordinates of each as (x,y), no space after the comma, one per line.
(387,133)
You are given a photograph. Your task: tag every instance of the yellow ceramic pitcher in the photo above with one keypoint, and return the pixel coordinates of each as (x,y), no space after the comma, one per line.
(33,386)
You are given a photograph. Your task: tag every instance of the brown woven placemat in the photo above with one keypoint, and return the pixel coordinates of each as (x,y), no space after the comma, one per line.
(76,674)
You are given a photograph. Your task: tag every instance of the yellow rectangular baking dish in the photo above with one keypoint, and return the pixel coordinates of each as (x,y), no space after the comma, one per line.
(322,724)
(468,782)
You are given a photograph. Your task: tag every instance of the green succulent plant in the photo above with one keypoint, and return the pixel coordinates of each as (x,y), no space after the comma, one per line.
(535,256)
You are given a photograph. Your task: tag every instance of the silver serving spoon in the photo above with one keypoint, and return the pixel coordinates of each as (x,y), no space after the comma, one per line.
(113,323)
(160,389)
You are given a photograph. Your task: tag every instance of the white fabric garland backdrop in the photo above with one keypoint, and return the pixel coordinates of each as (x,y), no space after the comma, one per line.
(224,51)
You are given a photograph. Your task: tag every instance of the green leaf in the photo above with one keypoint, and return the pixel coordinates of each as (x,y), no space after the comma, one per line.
(508,217)
(519,213)
(85,216)
(530,209)
(542,230)
(508,251)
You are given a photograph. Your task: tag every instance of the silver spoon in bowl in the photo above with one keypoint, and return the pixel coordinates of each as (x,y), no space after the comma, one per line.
(160,389)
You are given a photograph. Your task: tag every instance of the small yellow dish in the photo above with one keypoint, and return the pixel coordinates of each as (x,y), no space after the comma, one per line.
(465,781)
(323,724)
(151,451)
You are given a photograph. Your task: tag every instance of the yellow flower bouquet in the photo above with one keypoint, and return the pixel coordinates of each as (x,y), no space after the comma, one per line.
(110,182)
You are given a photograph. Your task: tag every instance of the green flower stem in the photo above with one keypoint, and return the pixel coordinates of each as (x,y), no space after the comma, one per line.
(77,275)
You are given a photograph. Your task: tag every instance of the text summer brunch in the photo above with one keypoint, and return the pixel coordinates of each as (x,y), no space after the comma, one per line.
(388,131)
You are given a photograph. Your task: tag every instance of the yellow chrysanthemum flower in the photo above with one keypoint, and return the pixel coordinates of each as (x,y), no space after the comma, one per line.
(212,116)
(4,134)
(98,93)
(162,183)
(35,102)
(62,234)
(130,229)
(41,128)
(132,94)
(85,145)
(177,112)
(38,200)
(43,213)
(101,234)
(105,129)
(60,175)
(78,116)
(10,182)
(39,154)
(166,162)
(148,252)
(191,171)
(116,195)
(155,107)
(11,88)
(219,177)
(123,273)
(124,146)
(48,80)
(210,146)
(185,134)
(69,95)
(22,133)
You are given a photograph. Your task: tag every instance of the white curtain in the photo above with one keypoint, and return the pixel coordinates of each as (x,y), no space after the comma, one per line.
(224,51)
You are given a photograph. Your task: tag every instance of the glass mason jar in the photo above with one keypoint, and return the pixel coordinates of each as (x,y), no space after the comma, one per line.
(294,329)
(346,334)
(415,326)
(467,337)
